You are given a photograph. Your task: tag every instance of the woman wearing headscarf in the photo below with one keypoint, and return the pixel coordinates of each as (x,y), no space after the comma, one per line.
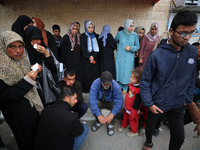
(107,45)
(48,38)
(21,24)
(41,55)
(147,44)
(71,50)
(140,31)
(19,100)
(90,50)
(127,45)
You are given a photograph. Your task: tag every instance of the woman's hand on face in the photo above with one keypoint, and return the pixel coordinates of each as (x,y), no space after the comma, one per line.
(141,61)
(32,75)
(43,50)
(91,59)
(128,48)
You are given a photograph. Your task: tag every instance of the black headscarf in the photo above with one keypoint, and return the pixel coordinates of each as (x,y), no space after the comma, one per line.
(20,23)
(31,33)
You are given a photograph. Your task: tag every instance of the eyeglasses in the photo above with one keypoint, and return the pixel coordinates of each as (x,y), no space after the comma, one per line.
(185,33)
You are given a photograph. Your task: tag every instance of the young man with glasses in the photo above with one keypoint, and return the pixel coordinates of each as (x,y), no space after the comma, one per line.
(168,80)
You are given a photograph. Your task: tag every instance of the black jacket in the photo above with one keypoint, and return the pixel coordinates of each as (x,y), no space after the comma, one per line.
(57,128)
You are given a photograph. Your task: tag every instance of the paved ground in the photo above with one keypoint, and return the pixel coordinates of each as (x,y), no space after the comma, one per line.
(99,140)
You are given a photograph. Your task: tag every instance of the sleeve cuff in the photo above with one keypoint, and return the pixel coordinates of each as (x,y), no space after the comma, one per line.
(29,80)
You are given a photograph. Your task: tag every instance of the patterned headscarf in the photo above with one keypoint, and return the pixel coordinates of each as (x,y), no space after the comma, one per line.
(41,26)
(104,33)
(71,36)
(127,24)
(12,71)
(155,37)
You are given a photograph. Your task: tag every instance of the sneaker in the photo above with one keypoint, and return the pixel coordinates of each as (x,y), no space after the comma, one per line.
(156,132)
(142,131)
(120,129)
(110,130)
(95,127)
(131,134)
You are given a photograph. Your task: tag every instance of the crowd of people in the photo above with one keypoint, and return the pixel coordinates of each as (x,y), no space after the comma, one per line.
(43,76)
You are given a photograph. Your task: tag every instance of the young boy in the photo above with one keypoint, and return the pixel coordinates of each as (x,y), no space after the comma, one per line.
(132,104)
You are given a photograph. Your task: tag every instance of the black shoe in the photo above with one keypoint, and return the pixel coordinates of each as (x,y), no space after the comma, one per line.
(156,132)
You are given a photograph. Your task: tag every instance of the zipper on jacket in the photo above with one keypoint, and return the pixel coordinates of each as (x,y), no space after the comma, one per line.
(178,55)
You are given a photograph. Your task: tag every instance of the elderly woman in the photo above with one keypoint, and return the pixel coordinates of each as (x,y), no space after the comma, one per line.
(71,50)
(90,61)
(44,57)
(147,44)
(21,24)
(127,45)
(48,38)
(107,45)
(19,100)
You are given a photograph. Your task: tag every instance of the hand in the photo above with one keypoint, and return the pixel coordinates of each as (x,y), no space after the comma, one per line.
(128,48)
(91,59)
(43,50)
(197,128)
(102,119)
(154,109)
(32,75)
(40,68)
(141,61)
(109,118)
(136,54)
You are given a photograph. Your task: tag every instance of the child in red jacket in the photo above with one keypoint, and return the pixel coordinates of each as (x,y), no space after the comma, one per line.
(132,104)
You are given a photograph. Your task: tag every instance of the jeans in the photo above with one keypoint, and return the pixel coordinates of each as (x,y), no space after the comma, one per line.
(79,140)
(80,109)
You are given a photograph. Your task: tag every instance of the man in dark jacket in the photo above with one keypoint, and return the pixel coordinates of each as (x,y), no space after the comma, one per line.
(69,80)
(59,128)
(168,79)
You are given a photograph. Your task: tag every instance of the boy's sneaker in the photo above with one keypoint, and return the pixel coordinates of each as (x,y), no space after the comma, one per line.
(131,134)
(120,129)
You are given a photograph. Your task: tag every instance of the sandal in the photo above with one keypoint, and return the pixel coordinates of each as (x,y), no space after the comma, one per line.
(110,130)
(147,145)
(95,127)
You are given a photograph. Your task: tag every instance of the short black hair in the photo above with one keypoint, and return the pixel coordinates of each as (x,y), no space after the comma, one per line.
(55,26)
(120,28)
(69,72)
(185,18)
(196,44)
(67,91)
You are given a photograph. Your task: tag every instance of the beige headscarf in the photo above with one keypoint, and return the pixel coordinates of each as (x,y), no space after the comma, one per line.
(12,71)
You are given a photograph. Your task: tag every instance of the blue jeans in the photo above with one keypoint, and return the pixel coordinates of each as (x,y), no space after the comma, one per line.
(79,140)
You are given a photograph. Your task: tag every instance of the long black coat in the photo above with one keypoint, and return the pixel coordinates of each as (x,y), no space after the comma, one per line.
(90,71)
(57,127)
(107,62)
(71,59)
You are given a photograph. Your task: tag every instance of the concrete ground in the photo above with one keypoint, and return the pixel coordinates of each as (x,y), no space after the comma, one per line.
(99,140)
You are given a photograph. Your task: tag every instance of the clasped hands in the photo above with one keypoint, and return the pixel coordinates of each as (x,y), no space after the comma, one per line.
(105,120)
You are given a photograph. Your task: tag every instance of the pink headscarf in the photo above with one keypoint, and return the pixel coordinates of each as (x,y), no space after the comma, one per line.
(155,37)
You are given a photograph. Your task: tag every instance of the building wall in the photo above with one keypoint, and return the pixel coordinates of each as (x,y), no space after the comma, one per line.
(100,12)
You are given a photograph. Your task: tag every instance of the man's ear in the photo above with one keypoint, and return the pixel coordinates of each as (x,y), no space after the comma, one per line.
(66,99)
(171,31)
(63,78)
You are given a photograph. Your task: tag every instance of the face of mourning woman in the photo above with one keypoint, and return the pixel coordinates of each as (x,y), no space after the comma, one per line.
(130,28)
(36,41)
(74,30)
(90,28)
(154,31)
(15,50)
(141,33)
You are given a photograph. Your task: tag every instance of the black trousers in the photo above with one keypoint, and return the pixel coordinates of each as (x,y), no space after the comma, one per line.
(176,125)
